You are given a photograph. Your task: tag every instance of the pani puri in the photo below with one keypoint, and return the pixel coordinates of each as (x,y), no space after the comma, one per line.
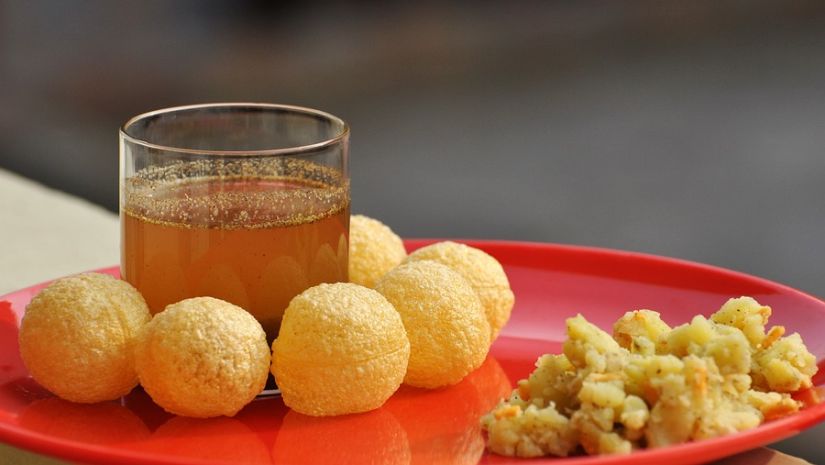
(484,273)
(448,331)
(202,357)
(77,335)
(342,349)
(374,249)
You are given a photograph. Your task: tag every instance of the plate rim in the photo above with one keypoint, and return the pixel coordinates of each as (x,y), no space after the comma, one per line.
(719,447)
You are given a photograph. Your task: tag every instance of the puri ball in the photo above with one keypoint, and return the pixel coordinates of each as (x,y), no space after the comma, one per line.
(342,349)
(482,271)
(77,337)
(202,357)
(448,331)
(373,250)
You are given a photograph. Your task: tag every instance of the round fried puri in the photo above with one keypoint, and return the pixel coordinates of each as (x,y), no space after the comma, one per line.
(202,357)
(373,250)
(342,349)
(448,331)
(77,335)
(482,271)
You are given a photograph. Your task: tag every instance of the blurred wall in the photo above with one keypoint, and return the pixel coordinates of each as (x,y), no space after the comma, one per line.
(683,128)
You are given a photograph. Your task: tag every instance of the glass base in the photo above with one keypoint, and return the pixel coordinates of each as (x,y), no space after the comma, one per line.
(270,389)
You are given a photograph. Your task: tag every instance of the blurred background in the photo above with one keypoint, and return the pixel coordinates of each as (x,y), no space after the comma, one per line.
(687,129)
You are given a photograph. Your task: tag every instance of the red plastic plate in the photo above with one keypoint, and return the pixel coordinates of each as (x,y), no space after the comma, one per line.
(551,283)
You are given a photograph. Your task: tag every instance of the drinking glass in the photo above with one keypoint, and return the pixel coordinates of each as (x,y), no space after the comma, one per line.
(245,202)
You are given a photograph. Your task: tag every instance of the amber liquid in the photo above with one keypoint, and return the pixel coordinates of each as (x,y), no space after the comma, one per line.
(254,242)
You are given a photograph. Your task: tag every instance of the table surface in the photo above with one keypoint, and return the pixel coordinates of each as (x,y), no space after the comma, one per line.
(32,252)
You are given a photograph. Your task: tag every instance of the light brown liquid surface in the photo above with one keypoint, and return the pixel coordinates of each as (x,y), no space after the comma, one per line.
(254,241)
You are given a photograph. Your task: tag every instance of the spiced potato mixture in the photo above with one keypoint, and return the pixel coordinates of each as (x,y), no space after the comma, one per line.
(650,386)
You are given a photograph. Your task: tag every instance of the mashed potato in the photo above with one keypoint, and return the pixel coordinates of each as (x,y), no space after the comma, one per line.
(652,386)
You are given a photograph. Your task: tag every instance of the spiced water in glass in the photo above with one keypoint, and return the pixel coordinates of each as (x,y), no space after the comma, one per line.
(248,203)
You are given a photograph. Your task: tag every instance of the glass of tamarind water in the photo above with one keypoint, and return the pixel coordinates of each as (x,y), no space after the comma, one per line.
(245,202)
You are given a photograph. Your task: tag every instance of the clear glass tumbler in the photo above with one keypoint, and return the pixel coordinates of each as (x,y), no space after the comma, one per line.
(245,202)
